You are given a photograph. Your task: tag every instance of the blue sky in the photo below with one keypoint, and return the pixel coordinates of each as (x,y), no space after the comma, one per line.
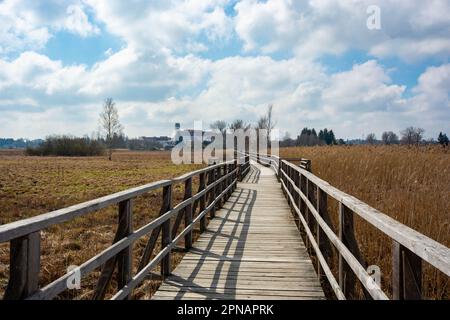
(181,61)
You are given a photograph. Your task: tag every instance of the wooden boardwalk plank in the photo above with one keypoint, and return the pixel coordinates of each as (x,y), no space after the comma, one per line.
(251,250)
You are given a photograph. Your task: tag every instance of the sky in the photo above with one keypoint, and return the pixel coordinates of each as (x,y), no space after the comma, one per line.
(167,61)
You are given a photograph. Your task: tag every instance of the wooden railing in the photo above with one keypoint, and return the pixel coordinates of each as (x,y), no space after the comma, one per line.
(308,198)
(216,183)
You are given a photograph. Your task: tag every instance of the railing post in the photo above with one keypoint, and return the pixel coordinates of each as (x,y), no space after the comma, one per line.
(212,193)
(347,279)
(188,213)
(279,169)
(305,183)
(407,274)
(226,182)
(24,266)
(220,174)
(166,238)
(312,199)
(322,240)
(297,195)
(202,185)
(234,176)
(125,257)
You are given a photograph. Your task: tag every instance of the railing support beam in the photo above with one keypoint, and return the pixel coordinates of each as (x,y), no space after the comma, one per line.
(407,274)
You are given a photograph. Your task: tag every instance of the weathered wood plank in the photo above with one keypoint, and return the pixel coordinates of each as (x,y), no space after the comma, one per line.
(252,248)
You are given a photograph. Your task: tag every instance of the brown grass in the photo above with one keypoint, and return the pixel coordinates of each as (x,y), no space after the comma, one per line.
(34,185)
(411,185)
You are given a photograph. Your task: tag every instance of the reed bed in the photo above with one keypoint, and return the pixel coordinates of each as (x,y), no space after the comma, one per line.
(411,185)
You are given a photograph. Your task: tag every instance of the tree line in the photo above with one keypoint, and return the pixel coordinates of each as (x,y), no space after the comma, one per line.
(310,137)
(409,136)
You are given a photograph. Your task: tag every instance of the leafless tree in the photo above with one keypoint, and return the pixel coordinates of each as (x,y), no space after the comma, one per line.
(239,124)
(371,138)
(110,124)
(267,122)
(221,126)
(412,135)
(389,137)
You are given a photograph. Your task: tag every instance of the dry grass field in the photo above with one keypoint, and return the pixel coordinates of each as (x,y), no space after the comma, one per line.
(411,185)
(34,185)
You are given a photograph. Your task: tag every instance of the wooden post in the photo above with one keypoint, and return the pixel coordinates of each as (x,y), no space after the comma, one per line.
(322,240)
(166,234)
(212,192)
(220,174)
(125,257)
(279,169)
(305,183)
(201,187)
(234,176)
(290,188)
(312,199)
(257,147)
(188,213)
(297,197)
(24,266)
(225,183)
(347,279)
(407,274)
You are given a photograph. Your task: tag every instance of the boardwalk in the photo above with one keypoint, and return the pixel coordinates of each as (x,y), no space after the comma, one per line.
(252,249)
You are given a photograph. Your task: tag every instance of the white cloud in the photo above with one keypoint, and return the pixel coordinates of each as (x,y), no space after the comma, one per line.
(29,24)
(364,88)
(176,25)
(432,93)
(78,22)
(411,30)
(157,78)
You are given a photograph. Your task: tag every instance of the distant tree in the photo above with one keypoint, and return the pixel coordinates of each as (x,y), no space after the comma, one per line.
(412,135)
(287,141)
(67,146)
(308,137)
(239,124)
(389,137)
(341,142)
(371,138)
(110,124)
(221,127)
(327,136)
(267,123)
(443,139)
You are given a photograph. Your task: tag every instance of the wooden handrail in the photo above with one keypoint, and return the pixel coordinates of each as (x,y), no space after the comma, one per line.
(24,235)
(303,191)
(22,227)
(428,249)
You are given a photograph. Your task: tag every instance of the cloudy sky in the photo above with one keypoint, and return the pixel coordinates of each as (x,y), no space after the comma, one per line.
(167,61)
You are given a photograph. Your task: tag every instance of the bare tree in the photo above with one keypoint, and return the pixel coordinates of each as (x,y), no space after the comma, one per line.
(412,135)
(110,124)
(371,138)
(267,122)
(239,124)
(389,137)
(221,126)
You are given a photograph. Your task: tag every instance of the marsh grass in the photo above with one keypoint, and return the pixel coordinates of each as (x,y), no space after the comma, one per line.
(411,185)
(30,186)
